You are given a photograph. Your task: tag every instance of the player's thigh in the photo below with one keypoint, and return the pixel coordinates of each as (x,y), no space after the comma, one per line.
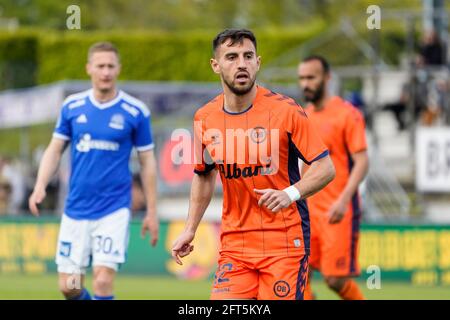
(283,278)
(73,246)
(340,251)
(110,237)
(234,279)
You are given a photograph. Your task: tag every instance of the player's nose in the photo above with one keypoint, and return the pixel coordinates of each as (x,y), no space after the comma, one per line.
(242,64)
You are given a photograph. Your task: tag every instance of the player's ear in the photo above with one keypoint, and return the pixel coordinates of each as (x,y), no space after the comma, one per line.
(258,62)
(327,76)
(88,68)
(214,65)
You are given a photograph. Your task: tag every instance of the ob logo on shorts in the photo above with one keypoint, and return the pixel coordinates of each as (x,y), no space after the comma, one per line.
(281,288)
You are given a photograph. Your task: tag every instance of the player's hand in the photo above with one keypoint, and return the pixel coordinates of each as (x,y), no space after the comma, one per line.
(274,200)
(337,211)
(36,198)
(182,246)
(150,224)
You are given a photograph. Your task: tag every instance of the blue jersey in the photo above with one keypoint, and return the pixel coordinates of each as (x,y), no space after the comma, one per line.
(102,136)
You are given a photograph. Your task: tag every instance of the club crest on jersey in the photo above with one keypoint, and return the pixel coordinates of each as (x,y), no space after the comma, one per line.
(258,134)
(117,122)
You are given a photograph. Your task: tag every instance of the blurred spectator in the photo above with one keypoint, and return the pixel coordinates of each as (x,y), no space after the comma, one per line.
(12,171)
(414,92)
(5,192)
(436,103)
(398,108)
(432,49)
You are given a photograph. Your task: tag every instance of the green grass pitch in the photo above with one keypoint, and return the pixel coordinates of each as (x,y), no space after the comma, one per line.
(168,288)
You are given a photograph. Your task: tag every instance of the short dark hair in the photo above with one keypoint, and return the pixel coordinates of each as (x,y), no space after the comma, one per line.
(322,60)
(235,35)
(102,47)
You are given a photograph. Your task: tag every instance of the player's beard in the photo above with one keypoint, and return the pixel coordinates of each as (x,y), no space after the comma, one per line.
(315,95)
(239,91)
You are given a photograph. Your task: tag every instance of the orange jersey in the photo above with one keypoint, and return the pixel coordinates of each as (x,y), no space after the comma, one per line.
(258,149)
(342,129)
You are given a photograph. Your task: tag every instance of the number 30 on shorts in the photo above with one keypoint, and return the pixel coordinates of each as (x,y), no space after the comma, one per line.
(103,244)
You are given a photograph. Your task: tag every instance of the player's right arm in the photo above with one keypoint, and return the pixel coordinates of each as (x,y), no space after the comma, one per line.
(202,189)
(47,168)
(201,194)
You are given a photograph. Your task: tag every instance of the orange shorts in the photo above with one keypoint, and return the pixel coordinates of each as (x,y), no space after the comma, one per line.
(267,278)
(334,247)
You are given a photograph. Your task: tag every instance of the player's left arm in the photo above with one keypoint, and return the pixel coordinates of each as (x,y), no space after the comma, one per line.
(319,174)
(310,148)
(148,177)
(357,175)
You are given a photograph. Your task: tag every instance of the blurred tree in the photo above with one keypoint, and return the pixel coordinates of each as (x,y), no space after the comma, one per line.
(189,14)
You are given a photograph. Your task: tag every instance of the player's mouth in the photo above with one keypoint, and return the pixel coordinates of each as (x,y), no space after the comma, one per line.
(106,83)
(242,77)
(308,92)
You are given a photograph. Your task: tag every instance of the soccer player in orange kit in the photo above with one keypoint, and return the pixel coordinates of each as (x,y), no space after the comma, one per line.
(253,137)
(335,210)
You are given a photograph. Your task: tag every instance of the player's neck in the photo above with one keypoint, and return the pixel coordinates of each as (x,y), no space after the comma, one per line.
(105,96)
(238,103)
(321,104)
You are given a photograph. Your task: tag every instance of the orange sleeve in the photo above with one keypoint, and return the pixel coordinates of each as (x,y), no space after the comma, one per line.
(304,137)
(354,131)
(203,162)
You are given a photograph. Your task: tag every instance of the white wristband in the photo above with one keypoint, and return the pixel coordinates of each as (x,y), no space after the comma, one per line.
(293,193)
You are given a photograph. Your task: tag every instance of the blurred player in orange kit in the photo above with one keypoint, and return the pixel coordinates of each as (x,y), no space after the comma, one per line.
(335,210)
(253,137)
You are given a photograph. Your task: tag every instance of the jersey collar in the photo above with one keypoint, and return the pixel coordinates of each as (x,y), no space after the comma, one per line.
(259,92)
(107,104)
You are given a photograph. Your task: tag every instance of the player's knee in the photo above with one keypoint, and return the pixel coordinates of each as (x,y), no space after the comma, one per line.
(103,282)
(335,283)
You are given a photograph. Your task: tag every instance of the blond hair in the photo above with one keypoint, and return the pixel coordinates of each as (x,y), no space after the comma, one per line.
(102,47)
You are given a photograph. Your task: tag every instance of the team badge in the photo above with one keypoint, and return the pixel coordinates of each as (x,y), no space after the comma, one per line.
(281,288)
(258,134)
(117,122)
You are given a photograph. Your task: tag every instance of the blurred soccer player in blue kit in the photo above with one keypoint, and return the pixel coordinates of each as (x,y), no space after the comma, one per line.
(102,125)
